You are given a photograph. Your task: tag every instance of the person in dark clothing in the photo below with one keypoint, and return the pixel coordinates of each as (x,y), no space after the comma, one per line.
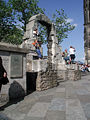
(3,73)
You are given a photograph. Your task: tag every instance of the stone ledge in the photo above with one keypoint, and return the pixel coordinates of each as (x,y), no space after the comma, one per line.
(11,47)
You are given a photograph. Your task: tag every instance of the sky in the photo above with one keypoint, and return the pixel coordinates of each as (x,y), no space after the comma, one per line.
(74,11)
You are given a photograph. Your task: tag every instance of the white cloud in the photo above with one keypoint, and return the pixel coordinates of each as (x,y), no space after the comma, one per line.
(75,25)
(69,20)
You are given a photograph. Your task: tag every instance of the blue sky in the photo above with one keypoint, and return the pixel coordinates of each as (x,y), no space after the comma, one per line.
(74,11)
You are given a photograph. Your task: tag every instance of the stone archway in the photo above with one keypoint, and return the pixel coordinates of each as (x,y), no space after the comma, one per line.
(51,35)
(32,24)
(45,79)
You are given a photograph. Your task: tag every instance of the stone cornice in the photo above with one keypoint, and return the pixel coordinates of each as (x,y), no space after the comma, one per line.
(12,48)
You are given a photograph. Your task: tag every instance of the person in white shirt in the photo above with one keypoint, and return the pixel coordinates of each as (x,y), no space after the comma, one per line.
(35,33)
(72,53)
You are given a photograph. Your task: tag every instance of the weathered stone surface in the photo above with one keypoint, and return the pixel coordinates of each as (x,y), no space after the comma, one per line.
(87,31)
(74,74)
(39,65)
(57,104)
(46,80)
(41,112)
(55,115)
(62,75)
(47,76)
(16,65)
(21,80)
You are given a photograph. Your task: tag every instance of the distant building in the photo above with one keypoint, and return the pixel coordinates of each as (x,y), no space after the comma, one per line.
(87,30)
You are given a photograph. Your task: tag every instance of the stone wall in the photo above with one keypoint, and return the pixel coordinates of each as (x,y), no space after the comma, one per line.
(64,75)
(87,55)
(46,80)
(68,72)
(74,75)
(87,30)
(14,61)
(46,68)
(52,70)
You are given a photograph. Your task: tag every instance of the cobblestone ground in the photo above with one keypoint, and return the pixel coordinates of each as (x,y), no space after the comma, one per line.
(68,101)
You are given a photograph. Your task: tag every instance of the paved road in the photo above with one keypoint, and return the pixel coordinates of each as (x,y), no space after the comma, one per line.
(68,101)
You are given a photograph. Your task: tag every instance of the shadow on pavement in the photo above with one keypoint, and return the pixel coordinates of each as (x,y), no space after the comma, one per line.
(11,102)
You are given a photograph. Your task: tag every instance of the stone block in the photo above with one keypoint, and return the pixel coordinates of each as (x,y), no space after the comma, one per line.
(6,54)
(39,65)
(74,74)
(62,75)
(61,66)
(46,80)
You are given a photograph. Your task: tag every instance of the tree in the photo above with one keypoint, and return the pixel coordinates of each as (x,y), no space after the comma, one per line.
(15,14)
(4,19)
(8,30)
(24,9)
(62,27)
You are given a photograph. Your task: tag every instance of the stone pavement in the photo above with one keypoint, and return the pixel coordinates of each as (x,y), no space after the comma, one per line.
(68,101)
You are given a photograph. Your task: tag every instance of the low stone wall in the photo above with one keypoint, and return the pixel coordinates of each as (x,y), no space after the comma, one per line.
(74,75)
(46,80)
(62,75)
(14,62)
(68,72)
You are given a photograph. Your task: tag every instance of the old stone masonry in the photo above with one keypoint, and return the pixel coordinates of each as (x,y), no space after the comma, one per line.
(53,69)
(26,72)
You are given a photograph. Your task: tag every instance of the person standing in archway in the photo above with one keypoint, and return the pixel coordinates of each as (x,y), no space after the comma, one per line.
(35,33)
(37,47)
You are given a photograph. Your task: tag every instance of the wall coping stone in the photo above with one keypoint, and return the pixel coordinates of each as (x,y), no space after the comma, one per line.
(12,48)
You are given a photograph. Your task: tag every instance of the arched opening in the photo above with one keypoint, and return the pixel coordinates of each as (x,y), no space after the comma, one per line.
(34,23)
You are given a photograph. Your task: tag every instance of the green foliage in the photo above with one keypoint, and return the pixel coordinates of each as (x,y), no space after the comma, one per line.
(4,19)
(42,34)
(24,10)
(8,30)
(14,37)
(62,26)
(15,14)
